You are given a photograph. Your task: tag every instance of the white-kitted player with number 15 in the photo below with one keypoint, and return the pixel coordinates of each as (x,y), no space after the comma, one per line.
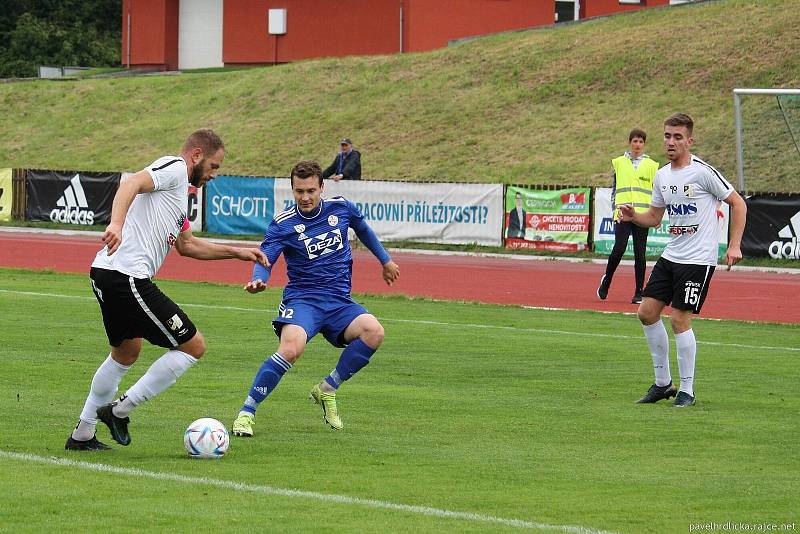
(689,189)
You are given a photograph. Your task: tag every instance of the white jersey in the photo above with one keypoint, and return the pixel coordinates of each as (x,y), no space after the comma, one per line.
(690,196)
(153,222)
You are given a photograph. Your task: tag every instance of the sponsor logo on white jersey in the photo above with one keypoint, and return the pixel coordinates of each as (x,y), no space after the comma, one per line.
(788,245)
(74,209)
(681,230)
(333,220)
(682,209)
(324,244)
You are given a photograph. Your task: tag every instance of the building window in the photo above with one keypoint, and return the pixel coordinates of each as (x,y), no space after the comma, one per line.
(567,10)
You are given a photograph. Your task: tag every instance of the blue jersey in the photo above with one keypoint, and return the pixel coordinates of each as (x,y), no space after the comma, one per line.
(318,256)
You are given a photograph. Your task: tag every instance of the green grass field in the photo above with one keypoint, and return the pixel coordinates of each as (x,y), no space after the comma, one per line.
(470,418)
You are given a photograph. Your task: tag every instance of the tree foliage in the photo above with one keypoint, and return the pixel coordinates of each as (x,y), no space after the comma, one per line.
(58,32)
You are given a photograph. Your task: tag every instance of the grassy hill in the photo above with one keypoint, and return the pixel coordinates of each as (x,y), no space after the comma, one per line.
(542,106)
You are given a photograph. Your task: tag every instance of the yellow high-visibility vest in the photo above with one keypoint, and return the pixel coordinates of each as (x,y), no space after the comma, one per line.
(633,186)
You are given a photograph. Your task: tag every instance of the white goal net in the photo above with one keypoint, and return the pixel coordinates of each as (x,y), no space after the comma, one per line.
(768,139)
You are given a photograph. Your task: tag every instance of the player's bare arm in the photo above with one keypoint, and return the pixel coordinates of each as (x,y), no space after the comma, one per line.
(738,218)
(194,247)
(141,182)
(650,218)
(391,272)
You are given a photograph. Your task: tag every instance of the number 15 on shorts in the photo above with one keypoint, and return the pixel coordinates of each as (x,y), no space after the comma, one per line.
(692,293)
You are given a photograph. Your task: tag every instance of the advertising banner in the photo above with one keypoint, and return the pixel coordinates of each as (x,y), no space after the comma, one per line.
(555,220)
(773,226)
(423,212)
(6,198)
(70,197)
(240,204)
(194,209)
(657,238)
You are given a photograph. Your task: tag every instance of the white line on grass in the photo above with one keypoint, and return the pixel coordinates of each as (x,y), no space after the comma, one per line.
(441,323)
(270,490)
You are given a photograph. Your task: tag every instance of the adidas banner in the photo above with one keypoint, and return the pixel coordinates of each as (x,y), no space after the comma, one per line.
(773,226)
(70,197)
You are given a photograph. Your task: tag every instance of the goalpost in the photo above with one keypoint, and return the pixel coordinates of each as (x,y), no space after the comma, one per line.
(769,157)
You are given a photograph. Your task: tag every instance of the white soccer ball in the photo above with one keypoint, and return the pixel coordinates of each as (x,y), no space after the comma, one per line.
(206,438)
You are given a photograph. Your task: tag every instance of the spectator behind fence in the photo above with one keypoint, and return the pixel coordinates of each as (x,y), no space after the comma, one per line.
(347,163)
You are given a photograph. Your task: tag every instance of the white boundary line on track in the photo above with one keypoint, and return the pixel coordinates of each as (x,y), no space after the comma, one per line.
(439,323)
(282,492)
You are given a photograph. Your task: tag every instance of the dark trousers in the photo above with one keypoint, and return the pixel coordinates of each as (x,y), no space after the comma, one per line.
(622,232)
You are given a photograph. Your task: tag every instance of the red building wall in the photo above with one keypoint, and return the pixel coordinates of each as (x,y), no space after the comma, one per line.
(320,28)
(431,24)
(314,29)
(594,8)
(154,33)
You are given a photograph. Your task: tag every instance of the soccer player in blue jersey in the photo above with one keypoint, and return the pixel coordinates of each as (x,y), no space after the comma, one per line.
(312,235)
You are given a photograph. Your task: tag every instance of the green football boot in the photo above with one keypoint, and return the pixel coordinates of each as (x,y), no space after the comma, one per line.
(329,410)
(243,425)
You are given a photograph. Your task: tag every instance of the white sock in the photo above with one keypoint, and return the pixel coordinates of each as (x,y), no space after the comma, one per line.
(104,386)
(658,341)
(161,375)
(687,349)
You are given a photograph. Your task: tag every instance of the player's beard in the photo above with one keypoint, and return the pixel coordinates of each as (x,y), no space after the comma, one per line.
(197,173)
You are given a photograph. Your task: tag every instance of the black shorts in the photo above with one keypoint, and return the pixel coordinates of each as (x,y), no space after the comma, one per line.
(685,286)
(135,307)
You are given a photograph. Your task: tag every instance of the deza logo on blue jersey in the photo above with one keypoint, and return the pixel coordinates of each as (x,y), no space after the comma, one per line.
(324,243)
(682,209)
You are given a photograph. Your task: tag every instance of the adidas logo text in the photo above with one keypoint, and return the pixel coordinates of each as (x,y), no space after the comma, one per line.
(73,204)
(787,249)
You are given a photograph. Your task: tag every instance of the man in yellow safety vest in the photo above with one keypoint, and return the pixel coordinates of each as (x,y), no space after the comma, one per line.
(632,184)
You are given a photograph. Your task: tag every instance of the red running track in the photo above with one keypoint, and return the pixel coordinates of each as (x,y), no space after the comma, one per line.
(738,294)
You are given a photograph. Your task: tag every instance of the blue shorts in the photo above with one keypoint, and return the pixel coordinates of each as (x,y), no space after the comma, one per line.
(330,315)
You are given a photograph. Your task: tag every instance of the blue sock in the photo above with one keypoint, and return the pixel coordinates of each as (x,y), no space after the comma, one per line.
(353,358)
(266,381)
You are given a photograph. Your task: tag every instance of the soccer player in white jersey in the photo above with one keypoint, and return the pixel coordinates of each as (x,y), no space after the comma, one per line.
(688,188)
(148,217)
(312,236)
